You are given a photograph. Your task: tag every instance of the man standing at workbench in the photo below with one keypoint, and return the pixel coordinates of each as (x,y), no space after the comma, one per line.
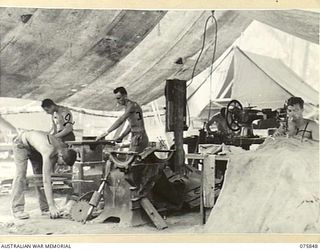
(62,120)
(133,113)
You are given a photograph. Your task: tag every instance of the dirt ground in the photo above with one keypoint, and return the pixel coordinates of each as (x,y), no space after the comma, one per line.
(38,224)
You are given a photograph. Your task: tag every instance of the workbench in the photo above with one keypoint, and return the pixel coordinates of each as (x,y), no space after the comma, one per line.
(208,173)
(90,155)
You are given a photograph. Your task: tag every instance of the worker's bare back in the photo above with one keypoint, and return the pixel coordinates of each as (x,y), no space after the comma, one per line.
(41,141)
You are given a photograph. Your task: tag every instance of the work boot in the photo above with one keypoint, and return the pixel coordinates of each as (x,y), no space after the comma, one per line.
(21,215)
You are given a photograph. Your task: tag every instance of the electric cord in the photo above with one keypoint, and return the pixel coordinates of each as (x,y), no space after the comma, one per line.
(213,60)
(201,51)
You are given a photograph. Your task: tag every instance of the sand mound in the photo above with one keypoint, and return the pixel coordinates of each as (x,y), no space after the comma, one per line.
(275,189)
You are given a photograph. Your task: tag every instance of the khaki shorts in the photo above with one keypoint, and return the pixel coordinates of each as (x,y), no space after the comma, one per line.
(139,141)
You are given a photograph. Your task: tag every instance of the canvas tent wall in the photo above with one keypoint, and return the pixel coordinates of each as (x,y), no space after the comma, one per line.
(283,64)
(286,62)
(300,55)
(266,82)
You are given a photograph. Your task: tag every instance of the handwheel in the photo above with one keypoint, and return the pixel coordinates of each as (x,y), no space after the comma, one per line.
(123,164)
(233,113)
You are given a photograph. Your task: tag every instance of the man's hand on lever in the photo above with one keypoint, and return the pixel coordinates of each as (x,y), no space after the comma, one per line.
(118,143)
(100,137)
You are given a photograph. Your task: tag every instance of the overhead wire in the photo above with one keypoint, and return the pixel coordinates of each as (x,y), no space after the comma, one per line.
(213,59)
(196,63)
(201,50)
(211,67)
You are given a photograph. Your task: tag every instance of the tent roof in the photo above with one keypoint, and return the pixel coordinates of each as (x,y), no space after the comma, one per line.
(77,57)
(303,24)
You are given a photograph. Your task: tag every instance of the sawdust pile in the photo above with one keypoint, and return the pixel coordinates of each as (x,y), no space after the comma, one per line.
(275,189)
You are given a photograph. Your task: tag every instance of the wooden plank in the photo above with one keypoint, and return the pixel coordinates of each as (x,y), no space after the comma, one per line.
(222,158)
(53,179)
(89,163)
(195,156)
(202,210)
(81,181)
(153,214)
(58,175)
(202,156)
(209,180)
(91,142)
(5,147)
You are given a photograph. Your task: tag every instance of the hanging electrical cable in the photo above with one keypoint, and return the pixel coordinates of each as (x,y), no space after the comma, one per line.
(201,50)
(197,61)
(211,68)
(213,60)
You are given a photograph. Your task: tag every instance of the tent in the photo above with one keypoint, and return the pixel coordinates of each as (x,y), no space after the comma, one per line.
(78,56)
(263,74)
(266,82)
(109,48)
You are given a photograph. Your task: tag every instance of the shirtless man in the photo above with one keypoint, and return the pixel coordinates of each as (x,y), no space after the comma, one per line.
(133,113)
(220,120)
(297,125)
(62,120)
(43,151)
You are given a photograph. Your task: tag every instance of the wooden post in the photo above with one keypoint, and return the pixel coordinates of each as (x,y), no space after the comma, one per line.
(209,180)
(178,138)
(176,117)
(78,177)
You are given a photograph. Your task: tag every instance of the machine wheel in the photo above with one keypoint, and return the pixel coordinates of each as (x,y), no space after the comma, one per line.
(233,113)
(80,210)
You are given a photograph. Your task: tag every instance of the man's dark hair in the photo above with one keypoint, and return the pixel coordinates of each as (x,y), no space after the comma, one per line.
(69,156)
(47,103)
(295,100)
(120,90)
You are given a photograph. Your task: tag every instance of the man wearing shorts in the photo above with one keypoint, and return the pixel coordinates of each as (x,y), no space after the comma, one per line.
(133,113)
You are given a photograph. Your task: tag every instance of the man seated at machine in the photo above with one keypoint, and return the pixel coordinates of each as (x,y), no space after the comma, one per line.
(43,151)
(62,120)
(133,113)
(297,125)
(220,120)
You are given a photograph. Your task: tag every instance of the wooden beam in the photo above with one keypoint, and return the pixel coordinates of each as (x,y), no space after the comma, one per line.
(175,92)
(153,214)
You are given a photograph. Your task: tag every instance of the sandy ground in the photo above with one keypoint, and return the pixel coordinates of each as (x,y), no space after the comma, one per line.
(42,225)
